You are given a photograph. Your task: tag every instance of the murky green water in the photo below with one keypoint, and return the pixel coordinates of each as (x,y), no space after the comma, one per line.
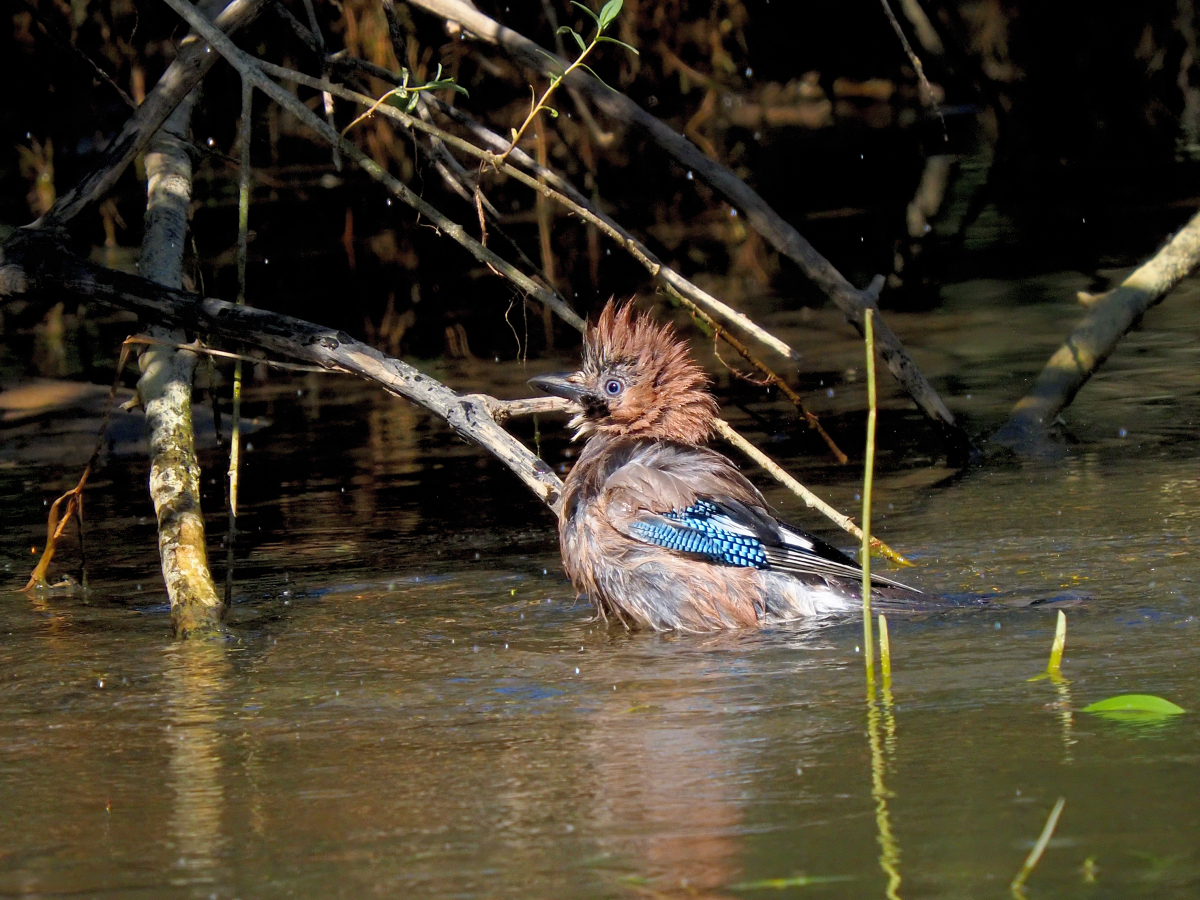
(411,703)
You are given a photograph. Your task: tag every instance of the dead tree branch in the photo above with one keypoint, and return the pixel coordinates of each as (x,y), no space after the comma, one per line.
(1108,318)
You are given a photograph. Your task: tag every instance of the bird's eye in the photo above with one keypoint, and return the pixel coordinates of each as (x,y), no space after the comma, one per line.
(612,387)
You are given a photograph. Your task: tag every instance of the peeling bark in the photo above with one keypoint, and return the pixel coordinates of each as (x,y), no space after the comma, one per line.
(165,389)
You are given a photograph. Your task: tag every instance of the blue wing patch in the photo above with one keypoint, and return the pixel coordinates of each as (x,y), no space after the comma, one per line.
(705,530)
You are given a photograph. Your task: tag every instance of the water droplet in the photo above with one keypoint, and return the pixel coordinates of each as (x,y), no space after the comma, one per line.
(733,212)
(997,626)
(689,176)
(577,667)
(749,72)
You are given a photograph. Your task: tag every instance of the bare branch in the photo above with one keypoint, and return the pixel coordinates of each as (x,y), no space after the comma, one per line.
(1109,317)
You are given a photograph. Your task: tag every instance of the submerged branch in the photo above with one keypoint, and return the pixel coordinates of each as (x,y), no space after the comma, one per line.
(1108,319)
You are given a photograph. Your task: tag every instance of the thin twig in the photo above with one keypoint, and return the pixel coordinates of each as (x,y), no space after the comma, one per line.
(198,347)
(74,497)
(63,41)
(927,88)
(326,68)
(885,653)
(769,376)
(811,500)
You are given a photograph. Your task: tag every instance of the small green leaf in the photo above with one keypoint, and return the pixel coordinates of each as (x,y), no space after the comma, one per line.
(567,29)
(609,40)
(1137,705)
(591,72)
(550,56)
(412,102)
(779,884)
(553,112)
(591,15)
(608,12)
(513,132)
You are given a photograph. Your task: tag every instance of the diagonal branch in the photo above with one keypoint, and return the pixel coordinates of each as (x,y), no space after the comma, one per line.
(1108,319)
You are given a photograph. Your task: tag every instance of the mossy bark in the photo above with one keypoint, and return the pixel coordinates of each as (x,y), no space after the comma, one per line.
(165,389)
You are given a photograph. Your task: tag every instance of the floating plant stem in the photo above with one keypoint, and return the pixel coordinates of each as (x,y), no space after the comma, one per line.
(1018,884)
(868,475)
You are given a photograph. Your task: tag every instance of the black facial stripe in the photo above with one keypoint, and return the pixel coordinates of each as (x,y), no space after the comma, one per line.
(594,406)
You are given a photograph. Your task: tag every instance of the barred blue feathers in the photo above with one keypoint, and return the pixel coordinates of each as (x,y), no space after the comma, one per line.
(705,530)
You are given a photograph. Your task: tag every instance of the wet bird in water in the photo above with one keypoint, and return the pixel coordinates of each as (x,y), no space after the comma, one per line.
(661,532)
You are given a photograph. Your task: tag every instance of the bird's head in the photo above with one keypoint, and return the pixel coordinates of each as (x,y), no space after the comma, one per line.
(637,380)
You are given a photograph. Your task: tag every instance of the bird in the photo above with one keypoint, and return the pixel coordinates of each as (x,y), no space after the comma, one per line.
(661,532)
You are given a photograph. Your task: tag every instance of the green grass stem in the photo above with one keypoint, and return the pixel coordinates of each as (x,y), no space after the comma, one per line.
(868,477)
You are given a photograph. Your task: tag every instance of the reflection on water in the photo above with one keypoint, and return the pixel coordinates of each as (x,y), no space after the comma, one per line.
(411,702)
(196,677)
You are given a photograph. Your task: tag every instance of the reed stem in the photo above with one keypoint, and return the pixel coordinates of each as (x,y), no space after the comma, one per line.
(243,248)
(868,477)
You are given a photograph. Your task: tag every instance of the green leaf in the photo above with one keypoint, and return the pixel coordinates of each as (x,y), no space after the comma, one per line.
(1139,705)
(609,40)
(591,15)
(550,56)
(608,12)
(553,112)
(567,29)
(779,884)
(591,72)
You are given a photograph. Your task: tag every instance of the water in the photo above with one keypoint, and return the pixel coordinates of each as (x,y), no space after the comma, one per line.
(411,703)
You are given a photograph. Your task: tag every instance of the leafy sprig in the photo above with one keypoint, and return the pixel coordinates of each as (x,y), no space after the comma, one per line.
(608,14)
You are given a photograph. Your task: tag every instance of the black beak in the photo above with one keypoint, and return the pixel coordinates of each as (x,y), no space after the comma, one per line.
(559,386)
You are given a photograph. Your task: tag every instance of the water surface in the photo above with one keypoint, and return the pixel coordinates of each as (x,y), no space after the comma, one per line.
(411,703)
